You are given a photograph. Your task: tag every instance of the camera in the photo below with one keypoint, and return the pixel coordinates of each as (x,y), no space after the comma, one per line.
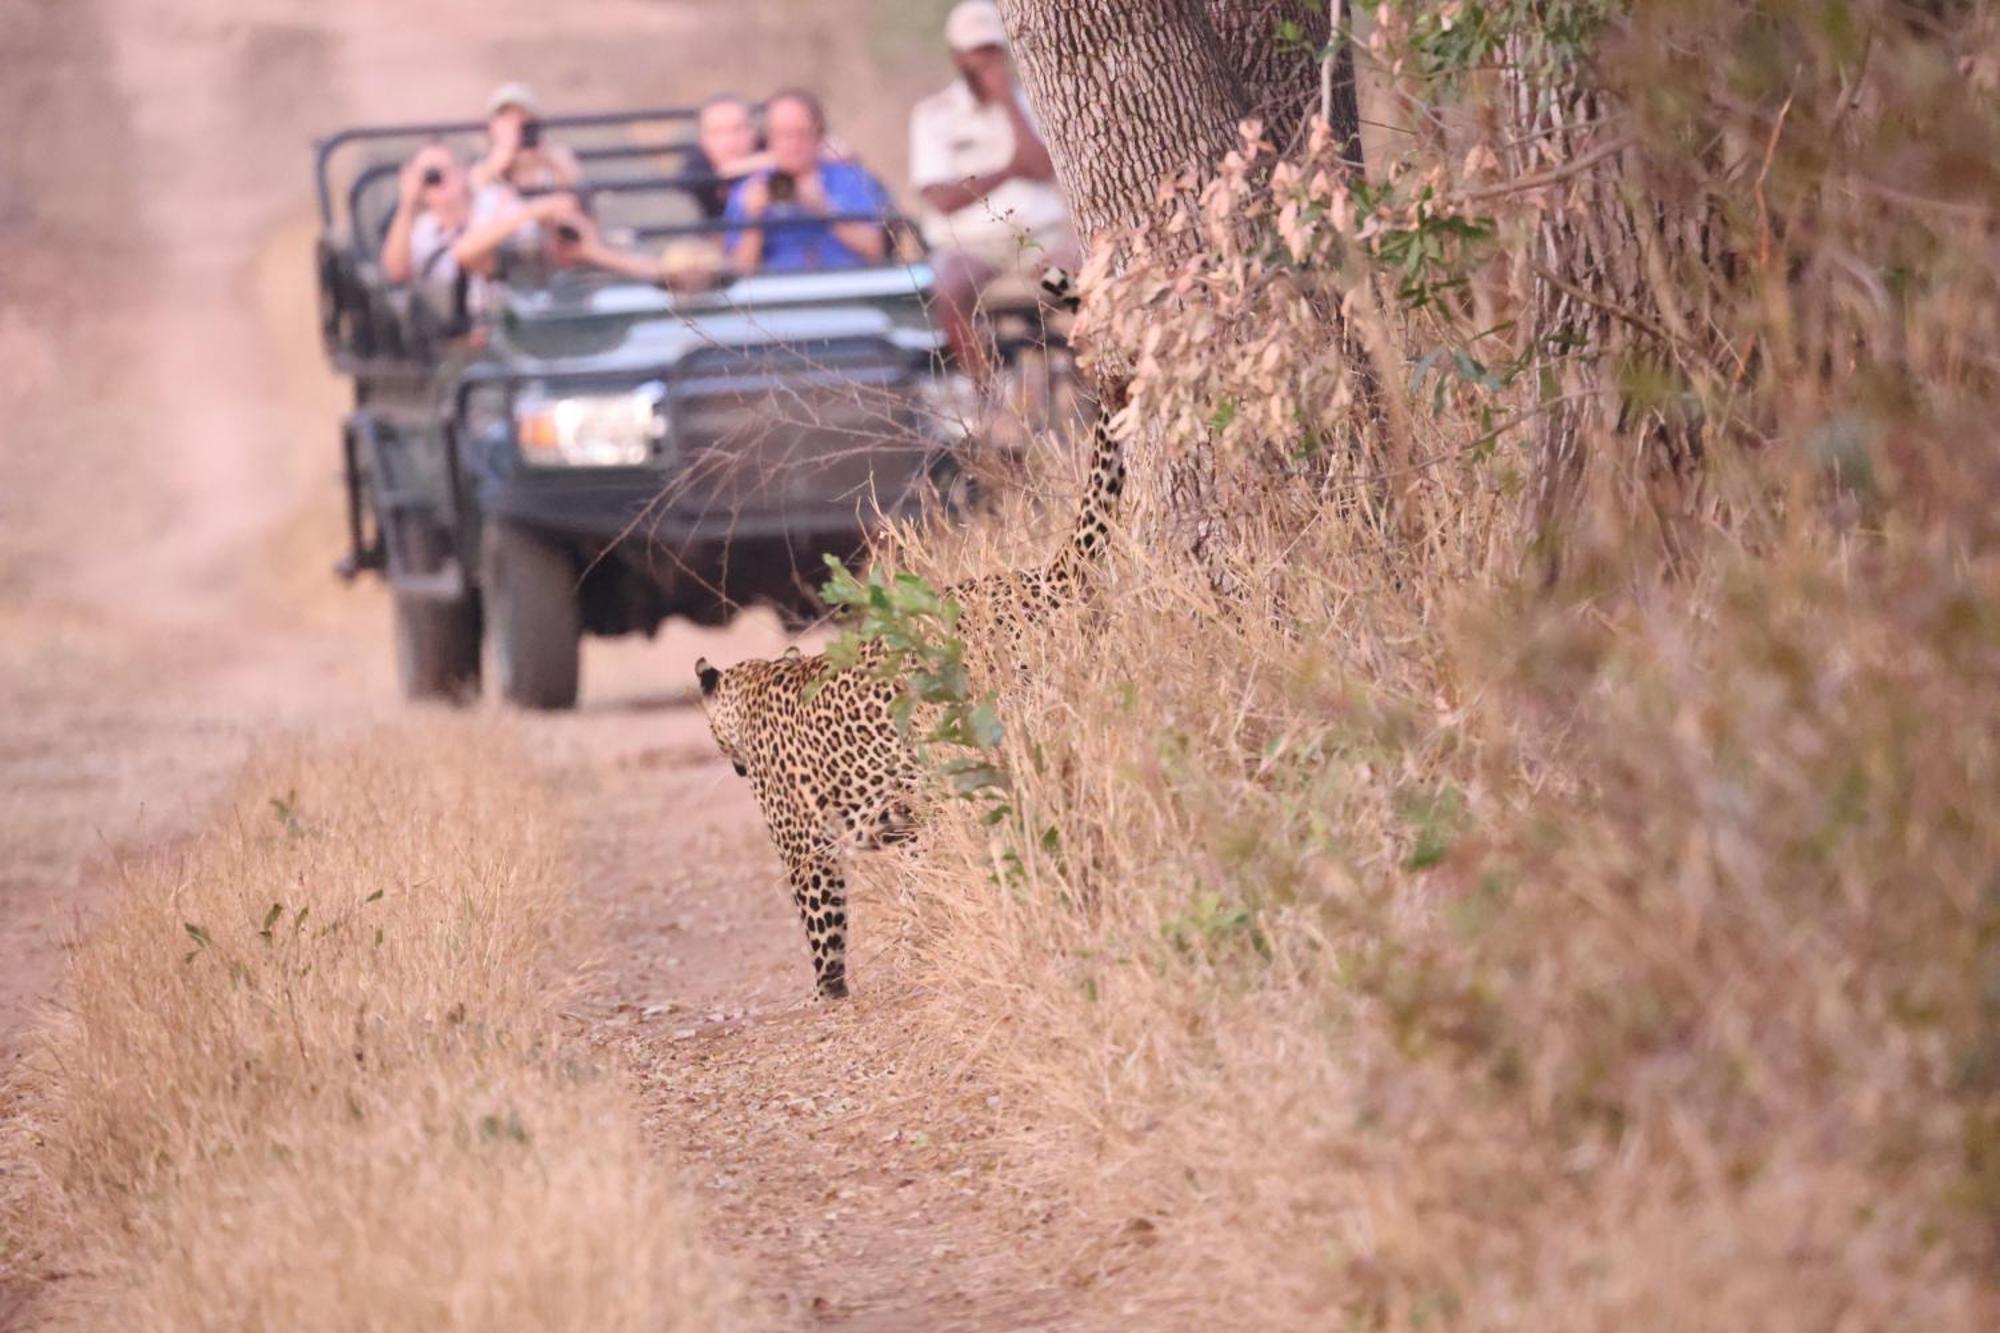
(783,187)
(433,176)
(531,133)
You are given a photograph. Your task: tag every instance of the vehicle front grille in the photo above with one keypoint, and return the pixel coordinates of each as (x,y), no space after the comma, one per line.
(804,357)
(808,431)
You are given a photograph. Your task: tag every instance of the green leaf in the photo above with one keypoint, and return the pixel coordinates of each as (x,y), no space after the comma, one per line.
(374,897)
(970,773)
(984,725)
(271,917)
(915,596)
(196,933)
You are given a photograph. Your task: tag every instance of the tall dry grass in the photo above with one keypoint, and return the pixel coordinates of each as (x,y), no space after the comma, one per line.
(1431,934)
(310,1075)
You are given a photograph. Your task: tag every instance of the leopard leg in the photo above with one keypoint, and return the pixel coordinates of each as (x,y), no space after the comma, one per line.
(820,891)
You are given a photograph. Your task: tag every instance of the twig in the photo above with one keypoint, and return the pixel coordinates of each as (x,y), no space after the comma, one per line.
(1763,211)
(1555,176)
(1326,83)
(1637,321)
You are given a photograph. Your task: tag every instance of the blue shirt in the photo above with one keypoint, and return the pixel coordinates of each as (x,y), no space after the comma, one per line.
(809,245)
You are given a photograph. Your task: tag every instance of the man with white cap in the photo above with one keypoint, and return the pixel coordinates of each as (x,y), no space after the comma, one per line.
(516,153)
(992,206)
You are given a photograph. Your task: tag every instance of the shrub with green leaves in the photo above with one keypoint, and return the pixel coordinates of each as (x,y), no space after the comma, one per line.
(906,631)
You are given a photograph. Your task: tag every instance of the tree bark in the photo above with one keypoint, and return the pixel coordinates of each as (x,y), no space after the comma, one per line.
(1128,95)
(1131,95)
(1281,78)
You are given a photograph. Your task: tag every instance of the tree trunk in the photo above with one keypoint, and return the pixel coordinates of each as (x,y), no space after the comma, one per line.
(1133,93)
(1128,94)
(1280,78)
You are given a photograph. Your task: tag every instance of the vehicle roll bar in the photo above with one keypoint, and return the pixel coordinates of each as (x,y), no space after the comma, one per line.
(325,148)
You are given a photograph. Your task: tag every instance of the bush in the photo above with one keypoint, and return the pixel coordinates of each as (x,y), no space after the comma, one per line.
(1548,883)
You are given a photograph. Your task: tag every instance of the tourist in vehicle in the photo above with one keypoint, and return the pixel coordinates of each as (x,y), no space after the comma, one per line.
(438,244)
(726,148)
(802,192)
(518,155)
(433,206)
(991,203)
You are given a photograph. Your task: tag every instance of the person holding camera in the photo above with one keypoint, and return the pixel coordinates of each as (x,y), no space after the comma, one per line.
(798,200)
(725,149)
(518,153)
(447,251)
(991,202)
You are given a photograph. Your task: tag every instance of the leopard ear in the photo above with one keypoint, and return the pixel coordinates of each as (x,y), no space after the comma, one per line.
(707,675)
(792,654)
(1059,290)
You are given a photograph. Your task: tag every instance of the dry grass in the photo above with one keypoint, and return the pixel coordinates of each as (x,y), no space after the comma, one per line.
(310,1076)
(1457,954)
(1422,939)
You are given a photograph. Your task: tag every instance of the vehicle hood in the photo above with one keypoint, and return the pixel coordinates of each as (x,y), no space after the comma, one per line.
(612,327)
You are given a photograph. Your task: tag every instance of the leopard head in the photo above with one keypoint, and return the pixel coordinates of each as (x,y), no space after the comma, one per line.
(722,705)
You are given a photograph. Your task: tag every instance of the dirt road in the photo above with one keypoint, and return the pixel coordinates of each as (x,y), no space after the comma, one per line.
(167,515)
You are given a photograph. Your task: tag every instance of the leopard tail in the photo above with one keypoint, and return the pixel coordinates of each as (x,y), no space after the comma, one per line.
(1099,507)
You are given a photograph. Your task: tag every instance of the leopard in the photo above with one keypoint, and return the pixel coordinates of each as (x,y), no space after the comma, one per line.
(831,769)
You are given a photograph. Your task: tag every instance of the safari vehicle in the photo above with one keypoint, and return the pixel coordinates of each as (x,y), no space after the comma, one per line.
(590,455)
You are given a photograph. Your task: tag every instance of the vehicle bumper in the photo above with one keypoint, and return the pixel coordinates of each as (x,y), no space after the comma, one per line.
(640,506)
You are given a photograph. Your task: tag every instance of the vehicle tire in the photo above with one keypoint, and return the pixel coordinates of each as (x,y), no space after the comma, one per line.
(437,648)
(536,624)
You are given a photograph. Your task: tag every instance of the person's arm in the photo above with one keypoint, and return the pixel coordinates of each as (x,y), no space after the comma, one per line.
(866,239)
(1030,162)
(927,164)
(506,135)
(949,198)
(1031,156)
(396,262)
(931,166)
(854,194)
(640,268)
(592,250)
(749,203)
(396,266)
(477,247)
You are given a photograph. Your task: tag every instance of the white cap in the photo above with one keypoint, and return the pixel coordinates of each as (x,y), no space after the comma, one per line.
(973,24)
(513,94)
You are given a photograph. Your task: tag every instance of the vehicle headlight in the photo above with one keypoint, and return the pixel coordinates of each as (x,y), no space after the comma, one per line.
(591,429)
